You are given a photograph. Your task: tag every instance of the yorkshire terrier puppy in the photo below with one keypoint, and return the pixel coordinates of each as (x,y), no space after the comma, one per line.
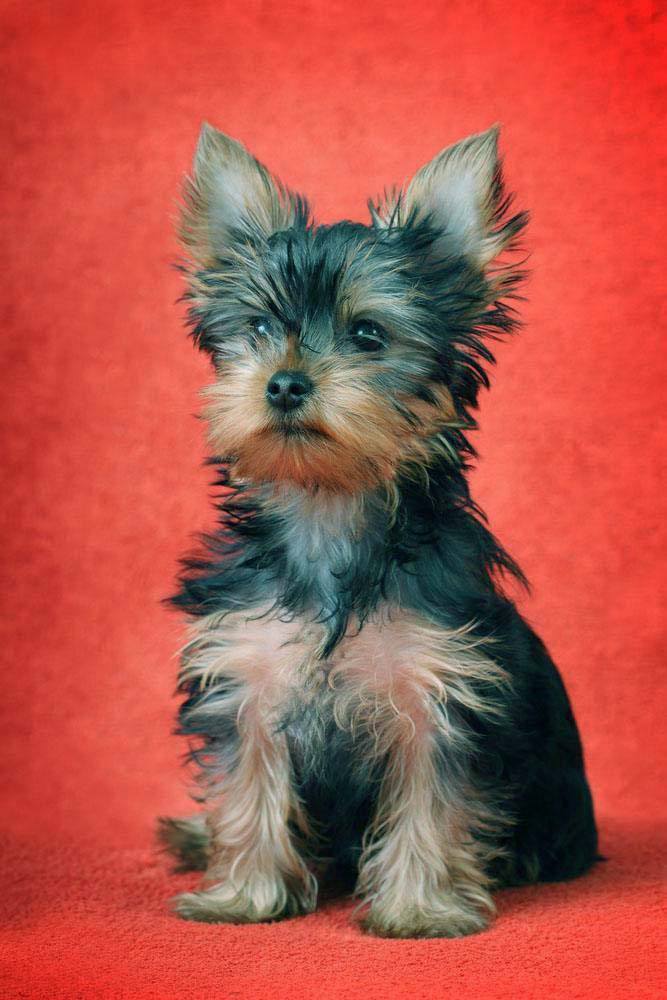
(362,694)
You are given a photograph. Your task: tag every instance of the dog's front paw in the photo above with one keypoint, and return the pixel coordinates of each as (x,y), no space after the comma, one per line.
(449,918)
(258,900)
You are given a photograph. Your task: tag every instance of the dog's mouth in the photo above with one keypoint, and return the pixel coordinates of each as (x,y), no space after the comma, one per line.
(303,433)
(291,430)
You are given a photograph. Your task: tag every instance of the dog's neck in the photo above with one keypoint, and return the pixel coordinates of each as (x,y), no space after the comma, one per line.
(319,529)
(337,557)
(333,548)
(324,532)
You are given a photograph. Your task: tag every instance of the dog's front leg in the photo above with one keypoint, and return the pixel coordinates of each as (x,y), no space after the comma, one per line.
(422,871)
(254,872)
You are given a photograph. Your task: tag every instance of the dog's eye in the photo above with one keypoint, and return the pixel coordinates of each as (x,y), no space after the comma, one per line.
(262,325)
(368,336)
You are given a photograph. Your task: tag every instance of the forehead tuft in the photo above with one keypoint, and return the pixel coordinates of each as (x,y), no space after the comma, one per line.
(346,266)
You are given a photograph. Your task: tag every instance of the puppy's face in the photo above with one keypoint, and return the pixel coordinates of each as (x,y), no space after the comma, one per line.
(344,355)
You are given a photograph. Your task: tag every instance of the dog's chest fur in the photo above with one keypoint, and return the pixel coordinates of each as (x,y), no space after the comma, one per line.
(395,677)
(390,676)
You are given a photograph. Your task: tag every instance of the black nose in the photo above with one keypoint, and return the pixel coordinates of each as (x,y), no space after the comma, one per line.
(288,389)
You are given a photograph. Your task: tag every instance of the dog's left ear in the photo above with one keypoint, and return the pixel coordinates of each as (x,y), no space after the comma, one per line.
(230,196)
(460,193)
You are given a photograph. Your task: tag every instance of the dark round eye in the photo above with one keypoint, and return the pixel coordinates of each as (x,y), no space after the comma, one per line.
(262,325)
(368,336)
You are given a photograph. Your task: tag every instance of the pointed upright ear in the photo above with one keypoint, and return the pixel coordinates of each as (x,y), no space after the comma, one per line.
(460,192)
(230,196)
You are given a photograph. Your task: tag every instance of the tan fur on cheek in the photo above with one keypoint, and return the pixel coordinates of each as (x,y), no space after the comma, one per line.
(236,404)
(347,438)
(368,426)
(328,453)
(433,416)
(368,432)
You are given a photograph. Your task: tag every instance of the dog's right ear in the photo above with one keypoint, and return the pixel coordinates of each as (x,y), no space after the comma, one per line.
(230,197)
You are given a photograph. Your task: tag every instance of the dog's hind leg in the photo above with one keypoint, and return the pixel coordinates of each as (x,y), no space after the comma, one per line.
(186,839)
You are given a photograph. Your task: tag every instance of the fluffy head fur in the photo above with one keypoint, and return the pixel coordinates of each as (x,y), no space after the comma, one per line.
(362,691)
(391,321)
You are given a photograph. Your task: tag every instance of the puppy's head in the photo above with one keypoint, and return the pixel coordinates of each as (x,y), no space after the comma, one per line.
(345,355)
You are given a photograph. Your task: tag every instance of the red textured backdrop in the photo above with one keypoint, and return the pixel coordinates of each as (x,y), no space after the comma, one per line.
(103,486)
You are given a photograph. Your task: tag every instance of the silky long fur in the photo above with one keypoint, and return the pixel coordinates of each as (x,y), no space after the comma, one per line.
(361,691)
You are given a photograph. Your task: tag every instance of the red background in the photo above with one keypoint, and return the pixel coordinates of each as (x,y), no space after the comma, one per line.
(103,485)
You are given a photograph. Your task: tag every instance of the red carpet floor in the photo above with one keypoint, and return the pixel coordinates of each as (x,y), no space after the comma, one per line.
(102,484)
